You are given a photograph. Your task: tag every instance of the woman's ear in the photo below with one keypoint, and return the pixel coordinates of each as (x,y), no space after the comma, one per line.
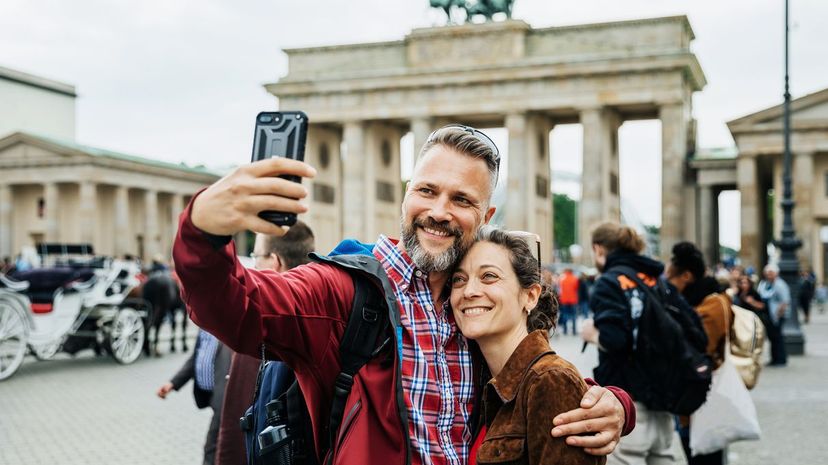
(532,294)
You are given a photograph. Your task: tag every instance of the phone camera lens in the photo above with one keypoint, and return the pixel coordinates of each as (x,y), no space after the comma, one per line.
(265,119)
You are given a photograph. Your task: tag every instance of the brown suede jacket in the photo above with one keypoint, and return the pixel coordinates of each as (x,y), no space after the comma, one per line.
(716,316)
(520,403)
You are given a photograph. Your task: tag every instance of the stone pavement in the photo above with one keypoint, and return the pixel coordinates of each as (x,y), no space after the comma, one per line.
(792,401)
(92,411)
(88,410)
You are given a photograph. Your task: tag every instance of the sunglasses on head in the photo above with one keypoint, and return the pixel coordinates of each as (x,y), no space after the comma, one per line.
(477,133)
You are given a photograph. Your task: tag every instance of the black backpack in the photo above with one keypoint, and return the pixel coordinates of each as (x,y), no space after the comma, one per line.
(670,370)
(277,427)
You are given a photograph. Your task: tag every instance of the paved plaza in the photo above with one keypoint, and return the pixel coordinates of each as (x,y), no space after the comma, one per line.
(88,410)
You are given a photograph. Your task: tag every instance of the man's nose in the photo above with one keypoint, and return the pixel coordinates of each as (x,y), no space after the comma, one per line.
(441,209)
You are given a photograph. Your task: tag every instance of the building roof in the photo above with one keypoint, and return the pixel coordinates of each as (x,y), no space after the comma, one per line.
(773,115)
(20,77)
(103,153)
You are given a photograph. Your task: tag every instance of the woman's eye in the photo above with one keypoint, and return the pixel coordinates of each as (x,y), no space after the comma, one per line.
(490,277)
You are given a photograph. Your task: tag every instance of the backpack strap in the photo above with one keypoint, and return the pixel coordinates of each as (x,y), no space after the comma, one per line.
(367,323)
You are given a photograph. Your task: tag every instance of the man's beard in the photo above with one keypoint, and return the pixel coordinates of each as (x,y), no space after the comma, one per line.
(425,260)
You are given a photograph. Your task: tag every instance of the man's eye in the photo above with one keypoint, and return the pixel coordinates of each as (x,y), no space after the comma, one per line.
(463,201)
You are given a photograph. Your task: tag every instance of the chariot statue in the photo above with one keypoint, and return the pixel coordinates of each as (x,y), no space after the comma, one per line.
(474,8)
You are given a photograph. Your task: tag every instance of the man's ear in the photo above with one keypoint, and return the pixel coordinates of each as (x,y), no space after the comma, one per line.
(278,263)
(489,213)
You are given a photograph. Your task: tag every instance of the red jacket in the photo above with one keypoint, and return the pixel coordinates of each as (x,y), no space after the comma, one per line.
(569,289)
(301,315)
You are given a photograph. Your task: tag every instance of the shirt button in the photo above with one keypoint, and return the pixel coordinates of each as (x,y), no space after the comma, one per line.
(429,307)
(404,287)
(418,273)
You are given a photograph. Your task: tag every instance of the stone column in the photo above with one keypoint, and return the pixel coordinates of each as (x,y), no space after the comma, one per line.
(421,128)
(152,237)
(600,199)
(322,151)
(122,230)
(88,212)
(355,211)
(176,207)
(803,192)
(706,218)
(674,125)
(519,194)
(6,208)
(51,201)
(751,216)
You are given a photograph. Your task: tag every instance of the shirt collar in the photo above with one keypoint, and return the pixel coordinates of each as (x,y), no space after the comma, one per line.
(396,262)
(507,382)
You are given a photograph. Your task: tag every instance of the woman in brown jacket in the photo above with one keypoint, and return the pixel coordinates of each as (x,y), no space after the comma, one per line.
(498,301)
(687,273)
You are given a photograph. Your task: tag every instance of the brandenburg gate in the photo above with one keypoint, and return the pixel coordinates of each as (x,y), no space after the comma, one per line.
(362,99)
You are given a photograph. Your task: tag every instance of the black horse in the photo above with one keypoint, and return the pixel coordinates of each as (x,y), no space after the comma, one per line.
(163,296)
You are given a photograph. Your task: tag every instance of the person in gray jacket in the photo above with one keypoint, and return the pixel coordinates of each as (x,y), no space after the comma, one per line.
(208,367)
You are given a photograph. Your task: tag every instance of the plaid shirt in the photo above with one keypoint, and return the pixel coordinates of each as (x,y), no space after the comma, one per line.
(436,365)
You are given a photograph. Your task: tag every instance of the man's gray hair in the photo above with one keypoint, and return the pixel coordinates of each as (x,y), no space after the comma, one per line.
(772,267)
(463,141)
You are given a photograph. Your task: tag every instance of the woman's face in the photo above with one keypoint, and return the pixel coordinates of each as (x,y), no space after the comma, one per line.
(744,284)
(486,297)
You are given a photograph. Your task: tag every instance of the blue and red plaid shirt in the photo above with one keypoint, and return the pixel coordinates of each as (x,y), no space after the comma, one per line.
(436,365)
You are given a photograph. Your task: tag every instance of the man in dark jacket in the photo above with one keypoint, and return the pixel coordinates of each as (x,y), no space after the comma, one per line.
(207,367)
(414,402)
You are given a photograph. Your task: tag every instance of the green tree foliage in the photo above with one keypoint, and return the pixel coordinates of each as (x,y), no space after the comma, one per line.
(565,220)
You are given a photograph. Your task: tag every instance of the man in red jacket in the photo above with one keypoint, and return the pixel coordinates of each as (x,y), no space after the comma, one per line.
(417,409)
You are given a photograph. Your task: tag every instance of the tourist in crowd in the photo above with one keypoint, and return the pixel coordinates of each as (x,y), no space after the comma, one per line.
(777,296)
(686,272)
(207,367)
(568,299)
(615,299)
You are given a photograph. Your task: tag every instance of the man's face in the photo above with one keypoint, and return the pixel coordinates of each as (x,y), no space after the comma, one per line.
(264,259)
(770,275)
(445,203)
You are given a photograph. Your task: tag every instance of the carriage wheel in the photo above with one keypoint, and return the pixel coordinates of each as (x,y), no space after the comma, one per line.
(13,338)
(126,339)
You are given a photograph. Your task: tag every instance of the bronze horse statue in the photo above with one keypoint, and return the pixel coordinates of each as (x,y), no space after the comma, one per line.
(485,8)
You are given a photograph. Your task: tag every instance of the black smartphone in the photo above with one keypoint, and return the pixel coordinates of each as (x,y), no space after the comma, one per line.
(280,134)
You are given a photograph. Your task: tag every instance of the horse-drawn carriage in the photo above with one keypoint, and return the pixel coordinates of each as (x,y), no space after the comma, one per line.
(75,302)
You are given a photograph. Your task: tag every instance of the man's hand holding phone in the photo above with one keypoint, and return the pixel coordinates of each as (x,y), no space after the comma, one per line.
(233,203)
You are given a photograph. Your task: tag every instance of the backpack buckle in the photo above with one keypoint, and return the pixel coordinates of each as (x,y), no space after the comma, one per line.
(369,314)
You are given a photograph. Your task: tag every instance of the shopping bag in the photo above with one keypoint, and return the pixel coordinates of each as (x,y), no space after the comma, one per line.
(728,414)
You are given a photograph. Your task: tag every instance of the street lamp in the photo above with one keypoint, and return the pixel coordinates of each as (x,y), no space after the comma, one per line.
(789,263)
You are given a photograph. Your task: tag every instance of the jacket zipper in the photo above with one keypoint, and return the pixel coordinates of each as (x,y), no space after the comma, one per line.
(346,424)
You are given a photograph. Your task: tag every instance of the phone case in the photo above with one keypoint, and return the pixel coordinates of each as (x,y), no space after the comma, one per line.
(280,134)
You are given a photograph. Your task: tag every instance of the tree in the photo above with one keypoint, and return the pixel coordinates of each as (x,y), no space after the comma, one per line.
(565,220)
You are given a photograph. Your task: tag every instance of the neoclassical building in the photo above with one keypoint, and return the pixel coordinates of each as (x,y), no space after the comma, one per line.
(755,169)
(54,190)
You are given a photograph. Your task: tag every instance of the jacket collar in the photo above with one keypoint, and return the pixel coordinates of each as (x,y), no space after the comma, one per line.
(507,382)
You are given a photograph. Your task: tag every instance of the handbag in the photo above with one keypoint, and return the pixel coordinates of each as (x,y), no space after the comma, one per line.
(747,340)
(728,415)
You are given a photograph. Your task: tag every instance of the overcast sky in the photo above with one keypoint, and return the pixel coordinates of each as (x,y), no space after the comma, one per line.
(182,80)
